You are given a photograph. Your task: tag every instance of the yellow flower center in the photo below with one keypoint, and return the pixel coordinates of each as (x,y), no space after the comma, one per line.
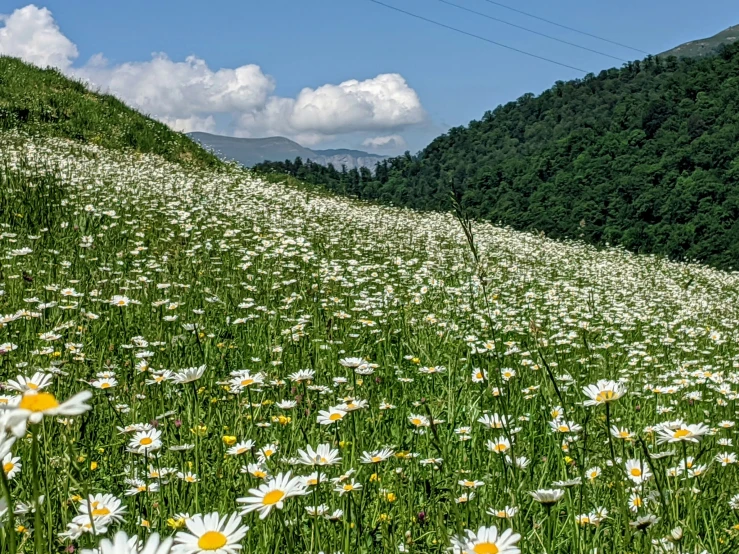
(7,468)
(376,459)
(563,428)
(273,497)
(268,452)
(212,540)
(349,487)
(146,441)
(485,548)
(604,396)
(32,386)
(681,433)
(636,472)
(416,421)
(500,447)
(335,416)
(99,512)
(105,386)
(38,402)
(259,474)
(246,382)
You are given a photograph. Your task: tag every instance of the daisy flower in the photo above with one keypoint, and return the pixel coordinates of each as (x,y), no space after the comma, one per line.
(500,446)
(349,486)
(210,533)
(272,494)
(302,375)
(188,375)
(266,452)
(240,448)
(102,509)
(145,441)
(242,379)
(548,497)
(419,420)
(11,465)
(603,392)
(331,416)
(505,513)
(684,432)
(33,406)
(37,382)
(726,458)
(323,455)
(637,471)
(122,544)
(376,456)
(487,540)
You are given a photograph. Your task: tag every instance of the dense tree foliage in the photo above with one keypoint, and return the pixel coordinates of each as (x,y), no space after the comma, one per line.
(646,156)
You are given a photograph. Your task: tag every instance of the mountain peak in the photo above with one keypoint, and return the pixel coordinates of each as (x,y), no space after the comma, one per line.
(252,151)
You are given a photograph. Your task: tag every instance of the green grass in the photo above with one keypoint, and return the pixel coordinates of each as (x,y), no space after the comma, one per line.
(43,102)
(230,272)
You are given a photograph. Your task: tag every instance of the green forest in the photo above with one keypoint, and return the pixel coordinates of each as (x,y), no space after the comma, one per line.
(645,156)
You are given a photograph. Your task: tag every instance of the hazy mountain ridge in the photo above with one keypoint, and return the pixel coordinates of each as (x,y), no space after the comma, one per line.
(252,151)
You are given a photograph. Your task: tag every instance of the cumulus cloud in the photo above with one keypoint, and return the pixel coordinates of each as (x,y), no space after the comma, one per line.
(387,142)
(381,103)
(180,89)
(191,124)
(187,94)
(32,34)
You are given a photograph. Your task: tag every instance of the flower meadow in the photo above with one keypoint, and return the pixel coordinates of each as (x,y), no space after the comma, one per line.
(212,362)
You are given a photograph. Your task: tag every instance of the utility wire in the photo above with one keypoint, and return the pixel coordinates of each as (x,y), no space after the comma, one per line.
(531,30)
(565,26)
(478,36)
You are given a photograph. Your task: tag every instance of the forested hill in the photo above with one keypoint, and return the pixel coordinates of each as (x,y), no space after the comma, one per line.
(646,156)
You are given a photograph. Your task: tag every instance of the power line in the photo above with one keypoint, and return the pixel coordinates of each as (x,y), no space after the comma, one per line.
(565,26)
(478,37)
(531,30)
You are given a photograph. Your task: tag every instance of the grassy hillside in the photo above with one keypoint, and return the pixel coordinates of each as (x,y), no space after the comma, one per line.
(222,329)
(46,103)
(707,46)
(646,156)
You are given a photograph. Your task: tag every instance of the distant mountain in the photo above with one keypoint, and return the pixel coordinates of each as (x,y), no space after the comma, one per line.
(706,46)
(250,152)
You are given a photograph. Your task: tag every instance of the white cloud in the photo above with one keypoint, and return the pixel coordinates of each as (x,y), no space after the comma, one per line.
(387,142)
(191,124)
(32,34)
(181,89)
(384,102)
(187,94)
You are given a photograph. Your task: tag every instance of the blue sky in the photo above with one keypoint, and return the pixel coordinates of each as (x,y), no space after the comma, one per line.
(310,44)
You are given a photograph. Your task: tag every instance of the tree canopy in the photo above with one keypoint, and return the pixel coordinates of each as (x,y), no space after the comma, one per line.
(645,156)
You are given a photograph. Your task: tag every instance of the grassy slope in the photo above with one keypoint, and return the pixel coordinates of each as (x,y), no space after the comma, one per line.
(45,102)
(706,46)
